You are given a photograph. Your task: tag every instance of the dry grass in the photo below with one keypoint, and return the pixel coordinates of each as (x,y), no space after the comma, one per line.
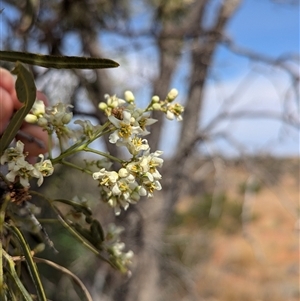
(227,265)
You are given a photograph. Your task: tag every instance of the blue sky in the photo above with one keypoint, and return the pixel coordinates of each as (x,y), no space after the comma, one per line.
(263,27)
(267,27)
(273,30)
(259,25)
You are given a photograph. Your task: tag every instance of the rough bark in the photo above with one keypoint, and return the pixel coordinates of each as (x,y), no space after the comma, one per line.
(144,285)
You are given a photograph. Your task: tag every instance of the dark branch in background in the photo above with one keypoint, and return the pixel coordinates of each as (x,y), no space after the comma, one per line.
(279,62)
(201,52)
(250,114)
(207,132)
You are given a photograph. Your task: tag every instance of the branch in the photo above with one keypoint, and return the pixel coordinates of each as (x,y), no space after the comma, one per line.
(205,134)
(250,114)
(278,62)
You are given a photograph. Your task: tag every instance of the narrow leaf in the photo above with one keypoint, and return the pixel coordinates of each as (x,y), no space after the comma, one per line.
(32,268)
(58,62)
(11,270)
(77,206)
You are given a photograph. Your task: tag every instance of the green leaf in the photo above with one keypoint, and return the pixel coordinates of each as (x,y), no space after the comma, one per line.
(97,231)
(32,268)
(25,86)
(26,92)
(58,62)
(77,206)
(12,272)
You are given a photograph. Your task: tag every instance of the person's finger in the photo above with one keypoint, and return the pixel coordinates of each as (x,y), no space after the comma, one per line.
(35,139)
(6,109)
(6,80)
(41,96)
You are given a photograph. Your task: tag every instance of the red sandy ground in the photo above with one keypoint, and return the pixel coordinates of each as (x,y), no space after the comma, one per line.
(265,265)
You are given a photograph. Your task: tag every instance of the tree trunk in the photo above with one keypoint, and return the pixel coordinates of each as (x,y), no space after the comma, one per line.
(146,222)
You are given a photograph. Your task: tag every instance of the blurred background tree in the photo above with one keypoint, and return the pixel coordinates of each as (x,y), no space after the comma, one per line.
(154,41)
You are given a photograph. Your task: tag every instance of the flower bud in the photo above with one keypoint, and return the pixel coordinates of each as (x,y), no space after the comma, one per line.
(102,106)
(172,95)
(129,97)
(67,118)
(155,99)
(30,118)
(170,115)
(112,101)
(38,108)
(156,106)
(123,173)
(42,122)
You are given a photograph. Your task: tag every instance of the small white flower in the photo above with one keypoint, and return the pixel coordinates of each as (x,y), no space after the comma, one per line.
(37,111)
(124,129)
(142,191)
(88,129)
(116,190)
(38,108)
(24,171)
(45,167)
(170,115)
(106,178)
(13,153)
(59,114)
(174,110)
(112,102)
(134,145)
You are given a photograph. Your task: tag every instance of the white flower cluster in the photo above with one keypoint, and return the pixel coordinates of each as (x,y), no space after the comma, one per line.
(53,119)
(139,175)
(115,247)
(127,127)
(20,169)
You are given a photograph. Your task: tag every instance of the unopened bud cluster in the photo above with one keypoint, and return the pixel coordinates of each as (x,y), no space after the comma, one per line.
(172,110)
(53,119)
